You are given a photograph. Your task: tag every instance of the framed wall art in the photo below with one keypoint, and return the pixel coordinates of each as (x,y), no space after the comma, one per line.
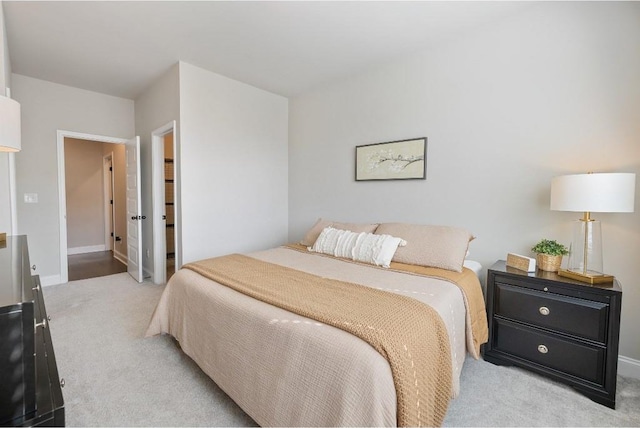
(394,160)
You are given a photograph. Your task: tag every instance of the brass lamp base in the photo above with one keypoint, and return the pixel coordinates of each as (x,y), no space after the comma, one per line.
(591,278)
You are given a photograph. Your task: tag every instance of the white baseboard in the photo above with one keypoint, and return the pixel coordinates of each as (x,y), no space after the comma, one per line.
(46,281)
(121,257)
(84,250)
(628,367)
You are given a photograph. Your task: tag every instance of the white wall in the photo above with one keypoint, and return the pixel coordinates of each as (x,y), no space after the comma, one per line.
(157,106)
(233,140)
(550,91)
(5,181)
(46,108)
(5,60)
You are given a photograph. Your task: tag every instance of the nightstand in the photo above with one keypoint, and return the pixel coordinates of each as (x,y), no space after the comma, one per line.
(557,327)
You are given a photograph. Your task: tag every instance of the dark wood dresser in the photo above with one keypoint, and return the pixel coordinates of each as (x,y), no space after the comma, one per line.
(557,327)
(30,389)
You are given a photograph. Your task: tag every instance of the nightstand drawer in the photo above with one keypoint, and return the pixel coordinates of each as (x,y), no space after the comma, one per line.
(584,318)
(574,358)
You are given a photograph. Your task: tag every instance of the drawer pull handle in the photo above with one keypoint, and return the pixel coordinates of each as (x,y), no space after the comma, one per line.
(546,289)
(544,310)
(543,349)
(42,324)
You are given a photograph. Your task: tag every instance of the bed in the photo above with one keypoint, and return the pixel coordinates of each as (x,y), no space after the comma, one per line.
(286,369)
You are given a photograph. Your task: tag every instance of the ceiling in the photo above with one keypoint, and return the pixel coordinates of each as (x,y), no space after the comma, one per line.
(119,48)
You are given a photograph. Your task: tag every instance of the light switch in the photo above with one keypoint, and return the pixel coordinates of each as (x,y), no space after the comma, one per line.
(30,198)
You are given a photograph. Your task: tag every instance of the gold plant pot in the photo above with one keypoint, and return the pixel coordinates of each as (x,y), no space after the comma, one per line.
(548,263)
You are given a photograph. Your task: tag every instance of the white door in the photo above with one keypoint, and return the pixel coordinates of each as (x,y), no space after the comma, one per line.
(134,210)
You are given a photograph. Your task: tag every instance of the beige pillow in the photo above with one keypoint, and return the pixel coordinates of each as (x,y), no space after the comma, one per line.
(313,233)
(442,247)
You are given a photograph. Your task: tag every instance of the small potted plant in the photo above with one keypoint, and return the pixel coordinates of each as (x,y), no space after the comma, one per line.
(549,254)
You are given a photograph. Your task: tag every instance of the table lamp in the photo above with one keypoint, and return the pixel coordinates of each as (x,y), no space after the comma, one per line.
(587,193)
(9,131)
(9,125)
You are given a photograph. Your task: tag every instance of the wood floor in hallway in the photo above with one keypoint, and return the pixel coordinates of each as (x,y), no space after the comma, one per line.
(92,265)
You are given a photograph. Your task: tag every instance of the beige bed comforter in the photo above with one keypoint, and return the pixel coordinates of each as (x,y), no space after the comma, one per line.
(285,369)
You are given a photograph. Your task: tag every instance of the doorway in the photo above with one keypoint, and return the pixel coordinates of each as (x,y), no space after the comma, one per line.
(169,205)
(86,231)
(166,202)
(96,222)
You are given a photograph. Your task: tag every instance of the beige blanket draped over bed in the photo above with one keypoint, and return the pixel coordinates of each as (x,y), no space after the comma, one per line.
(416,345)
(467,281)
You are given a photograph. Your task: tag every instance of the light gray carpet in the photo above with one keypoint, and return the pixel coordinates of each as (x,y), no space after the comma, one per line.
(115,377)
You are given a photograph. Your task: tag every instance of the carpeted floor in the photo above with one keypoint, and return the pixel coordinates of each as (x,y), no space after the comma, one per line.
(115,377)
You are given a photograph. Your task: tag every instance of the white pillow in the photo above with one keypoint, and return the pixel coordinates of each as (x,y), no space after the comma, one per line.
(336,242)
(363,247)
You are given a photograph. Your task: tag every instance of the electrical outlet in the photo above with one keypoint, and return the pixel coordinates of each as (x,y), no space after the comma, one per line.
(30,198)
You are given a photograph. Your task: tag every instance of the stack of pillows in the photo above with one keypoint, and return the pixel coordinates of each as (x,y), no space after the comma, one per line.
(442,247)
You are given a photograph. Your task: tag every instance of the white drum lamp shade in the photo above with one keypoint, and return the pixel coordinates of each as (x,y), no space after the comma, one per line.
(587,193)
(603,193)
(9,125)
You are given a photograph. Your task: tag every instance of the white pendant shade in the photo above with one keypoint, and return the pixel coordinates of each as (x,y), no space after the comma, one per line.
(606,192)
(9,125)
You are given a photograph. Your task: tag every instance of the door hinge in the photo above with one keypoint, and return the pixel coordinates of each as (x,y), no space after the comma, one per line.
(111,202)
(112,234)
(110,168)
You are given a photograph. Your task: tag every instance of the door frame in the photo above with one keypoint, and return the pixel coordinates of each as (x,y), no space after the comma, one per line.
(158,189)
(62,192)
(109,202)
